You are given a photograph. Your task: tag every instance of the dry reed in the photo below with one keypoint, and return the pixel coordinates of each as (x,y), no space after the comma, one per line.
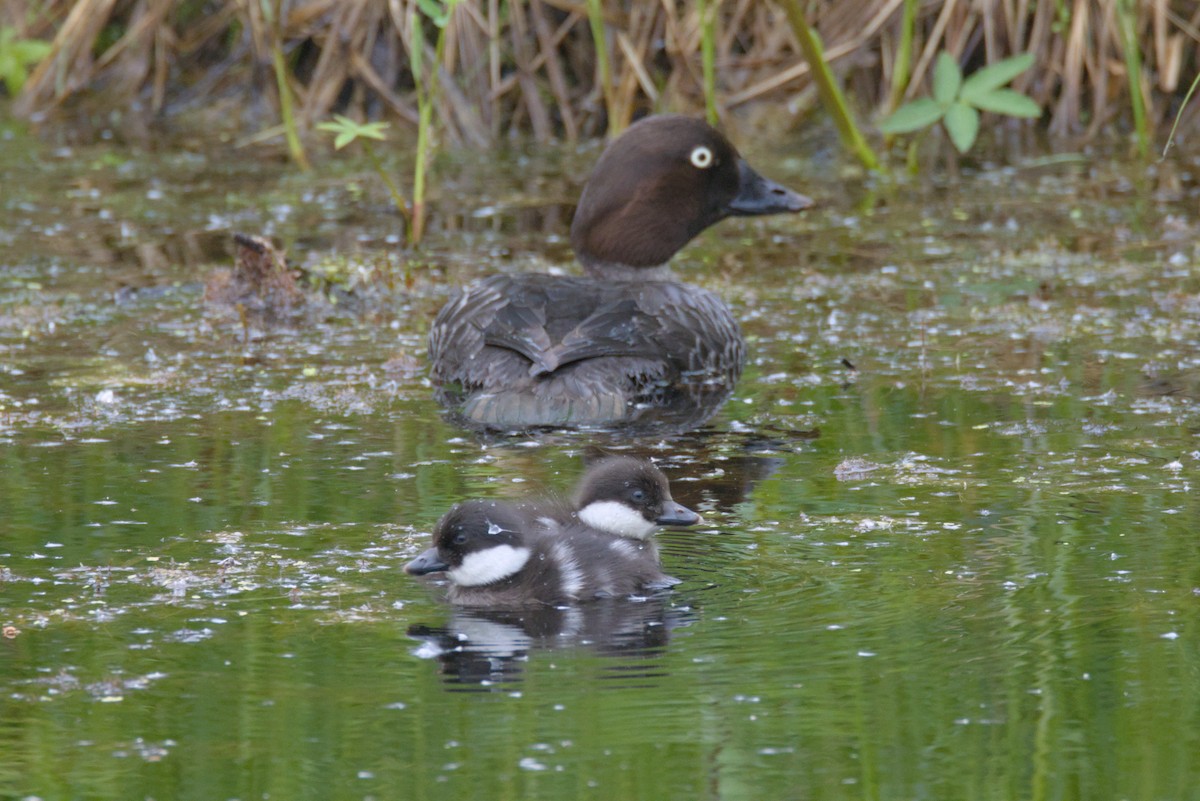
(531,67)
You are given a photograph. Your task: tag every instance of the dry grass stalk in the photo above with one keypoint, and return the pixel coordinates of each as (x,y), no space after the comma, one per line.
(529,65)
(70,66)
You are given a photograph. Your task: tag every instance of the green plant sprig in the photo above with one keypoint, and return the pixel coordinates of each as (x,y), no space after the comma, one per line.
(956,102)
(273,11)
(428,84)
(1179,115)
(17,57)
(347,131)
(827,86)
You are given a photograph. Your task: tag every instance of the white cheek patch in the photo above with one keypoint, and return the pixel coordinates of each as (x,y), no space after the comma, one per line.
(624,547)
(572,576)
(616,518)
(493,564)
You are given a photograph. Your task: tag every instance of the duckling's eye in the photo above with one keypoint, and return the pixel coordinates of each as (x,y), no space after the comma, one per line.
(701,157)
(460,539)
(637,496)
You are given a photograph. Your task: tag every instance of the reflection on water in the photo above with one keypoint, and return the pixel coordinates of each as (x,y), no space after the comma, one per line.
(482,648)
(675,409)
(963,569)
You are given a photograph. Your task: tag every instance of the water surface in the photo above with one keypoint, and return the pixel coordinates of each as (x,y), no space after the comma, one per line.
(949,542)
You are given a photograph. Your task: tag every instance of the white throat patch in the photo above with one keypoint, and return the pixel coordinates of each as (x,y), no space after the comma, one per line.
(484,567)
(615,517)
(568,565)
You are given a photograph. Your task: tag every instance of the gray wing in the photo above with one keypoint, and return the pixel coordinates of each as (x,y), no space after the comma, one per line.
(462,328)
(533,349)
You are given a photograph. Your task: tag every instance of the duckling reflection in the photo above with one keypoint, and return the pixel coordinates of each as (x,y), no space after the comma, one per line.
(482,648)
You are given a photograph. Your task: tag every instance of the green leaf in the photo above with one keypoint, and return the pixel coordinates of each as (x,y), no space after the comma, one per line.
(1009,102)
(947,79)
(31,51)
(373,130)
(17,56)
(962,123)
(993,76)
(436,12)
(348,130)
(912,117)
(416,50)
(339,123)
(12,73)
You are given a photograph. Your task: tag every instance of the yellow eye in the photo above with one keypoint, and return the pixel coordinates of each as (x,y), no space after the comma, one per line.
(701,157)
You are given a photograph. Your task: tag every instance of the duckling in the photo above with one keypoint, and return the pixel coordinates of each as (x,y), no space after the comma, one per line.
(625,499)
(628,497)
(499,554)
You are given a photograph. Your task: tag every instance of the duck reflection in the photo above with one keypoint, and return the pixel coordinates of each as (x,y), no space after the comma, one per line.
(666,411)
(485,649)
